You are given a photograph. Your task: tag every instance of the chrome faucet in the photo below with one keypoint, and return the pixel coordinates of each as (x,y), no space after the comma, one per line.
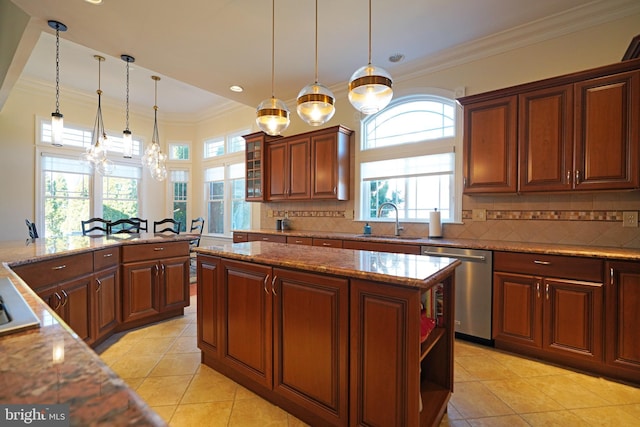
(398,228)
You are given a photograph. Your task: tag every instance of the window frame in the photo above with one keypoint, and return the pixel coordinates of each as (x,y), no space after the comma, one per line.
(426,147)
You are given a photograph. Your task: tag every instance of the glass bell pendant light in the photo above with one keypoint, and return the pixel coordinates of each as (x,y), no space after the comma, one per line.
(272,115)
(316,101)
(127,139)
(154,159)
(370,86)
(57,121)
(96,154)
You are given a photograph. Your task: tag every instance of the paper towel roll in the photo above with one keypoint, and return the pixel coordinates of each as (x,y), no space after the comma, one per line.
(435,225)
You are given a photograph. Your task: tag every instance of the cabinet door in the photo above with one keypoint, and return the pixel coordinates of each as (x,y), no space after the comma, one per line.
(573,318)
(174,283)
(246,332)
(385,355)
(254,167)
(327,166)
(278,171)
(545,138)
(517,309)
(623,317)
(140,296)
(208,300)
(107,297)
(490,144)
(311,337)
(607,132)
(76,306)
(298,165)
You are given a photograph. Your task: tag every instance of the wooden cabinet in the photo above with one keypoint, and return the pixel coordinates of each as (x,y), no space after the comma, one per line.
(240,237)
(255,166)
(72,301)
(297,240)
(310,342)
(622,347)
(106,288)
(382,247)
(208,311)
(155,279)
(490,146)
(289,176)
(574,132)
(330,163)
(265,237)
(327,243)
(545,135)
(607,132)
(549,306)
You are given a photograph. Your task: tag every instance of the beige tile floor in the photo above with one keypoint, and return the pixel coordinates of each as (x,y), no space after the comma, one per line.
(492,388)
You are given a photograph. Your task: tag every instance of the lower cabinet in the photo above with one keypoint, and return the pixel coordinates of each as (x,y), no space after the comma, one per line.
(622,347)
(106,288)
(72,301)
(560,318)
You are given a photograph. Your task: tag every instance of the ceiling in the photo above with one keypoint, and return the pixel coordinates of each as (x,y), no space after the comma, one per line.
(201,47)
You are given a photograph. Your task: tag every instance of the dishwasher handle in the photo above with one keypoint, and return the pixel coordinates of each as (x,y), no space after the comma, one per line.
(457,256)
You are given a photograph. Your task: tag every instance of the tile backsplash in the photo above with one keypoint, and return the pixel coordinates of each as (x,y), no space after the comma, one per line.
(581,219)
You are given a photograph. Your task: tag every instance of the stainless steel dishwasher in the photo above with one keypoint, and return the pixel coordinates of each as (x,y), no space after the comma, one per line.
(473,291)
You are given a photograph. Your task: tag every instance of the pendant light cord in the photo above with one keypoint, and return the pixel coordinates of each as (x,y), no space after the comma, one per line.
(127,114)
(155,138)
(316,41)
(57,70)
(369,32)
(273,48)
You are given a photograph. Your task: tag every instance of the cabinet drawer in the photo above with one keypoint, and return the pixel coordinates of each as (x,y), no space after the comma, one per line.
(105,258)
(151,251)
(299,240)
(575,268)
(53,271)
(327,243)
(240,237)
(257,237)
(381,247)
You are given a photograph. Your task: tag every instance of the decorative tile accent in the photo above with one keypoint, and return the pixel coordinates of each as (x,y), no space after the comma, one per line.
(309,214)
(561,215)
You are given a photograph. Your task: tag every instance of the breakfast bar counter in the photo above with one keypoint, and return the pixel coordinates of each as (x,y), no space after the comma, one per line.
(52,365)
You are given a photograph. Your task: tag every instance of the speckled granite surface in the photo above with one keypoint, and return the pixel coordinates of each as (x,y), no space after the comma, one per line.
(399,269)
(604,252)
(51,365)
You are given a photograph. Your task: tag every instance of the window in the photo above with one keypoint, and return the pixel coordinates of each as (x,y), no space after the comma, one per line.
(69,191)
(179,180)
(213,147)
(220,145)
(408,157)
(227,209)
(179,151)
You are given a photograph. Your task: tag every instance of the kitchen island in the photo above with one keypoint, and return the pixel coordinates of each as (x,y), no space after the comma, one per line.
(333,336)
(53,364)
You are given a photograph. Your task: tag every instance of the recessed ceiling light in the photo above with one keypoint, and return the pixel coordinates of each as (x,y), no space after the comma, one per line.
(94,1)
(397,57)
(236,88)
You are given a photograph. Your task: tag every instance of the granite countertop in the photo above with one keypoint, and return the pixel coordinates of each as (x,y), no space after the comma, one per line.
(50,364)
(604,252)
(390,268)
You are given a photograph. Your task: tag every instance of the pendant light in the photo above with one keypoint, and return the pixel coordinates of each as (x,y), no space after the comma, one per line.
(316,101)
(154,159)
(57,122)
(272,115)
(127,139)
(370,86)
(96,154)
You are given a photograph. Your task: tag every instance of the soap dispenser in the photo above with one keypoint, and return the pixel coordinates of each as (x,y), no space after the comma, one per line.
(367,229)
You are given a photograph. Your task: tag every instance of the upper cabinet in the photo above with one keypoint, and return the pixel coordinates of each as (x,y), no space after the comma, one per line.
(312,165)
(574,132)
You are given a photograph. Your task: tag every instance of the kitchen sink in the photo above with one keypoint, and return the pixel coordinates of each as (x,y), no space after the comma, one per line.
(15,313)
(388,236)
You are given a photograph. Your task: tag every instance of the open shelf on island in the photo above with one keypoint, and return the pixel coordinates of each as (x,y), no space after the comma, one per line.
(430,341)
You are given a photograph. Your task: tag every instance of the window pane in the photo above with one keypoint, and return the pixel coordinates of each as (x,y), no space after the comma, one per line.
(178,151)
(66,202)
(82,138)
(215,217)
(119,198)
(236,142)
(213,147)
(240,212)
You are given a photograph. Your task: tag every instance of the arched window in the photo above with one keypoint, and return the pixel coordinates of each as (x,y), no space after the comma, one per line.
(407,156)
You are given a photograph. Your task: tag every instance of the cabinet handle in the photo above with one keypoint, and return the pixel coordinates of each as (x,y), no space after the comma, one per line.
(538,289)
(66,298)
(299,242)
(266,279)
(273,285)
(546,291)
(157,269)
(577,177)
(541,262)
(107,255)
(335,190)
(611,276)
(464,182)
(326,244)
(266,239)
(59,300)
(158,249)
(59,267)
(163,268)
(568,176)
(99,285)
